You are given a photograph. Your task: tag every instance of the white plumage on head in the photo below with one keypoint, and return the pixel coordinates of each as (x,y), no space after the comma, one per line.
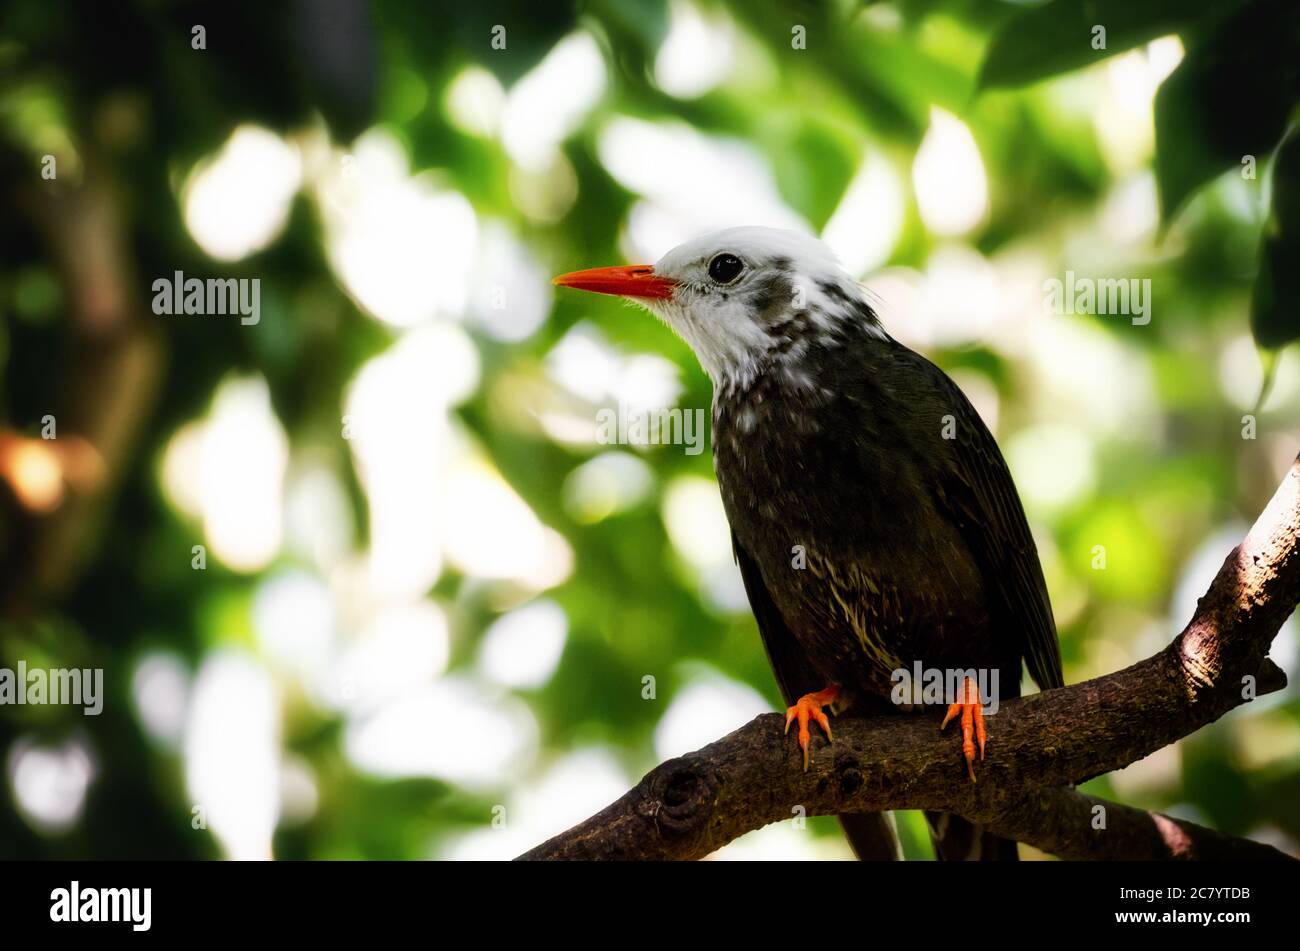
(788,291)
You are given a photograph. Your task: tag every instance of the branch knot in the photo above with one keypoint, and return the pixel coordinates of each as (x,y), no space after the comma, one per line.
(679,796)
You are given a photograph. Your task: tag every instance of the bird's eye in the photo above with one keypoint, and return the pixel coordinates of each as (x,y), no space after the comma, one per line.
(725,268)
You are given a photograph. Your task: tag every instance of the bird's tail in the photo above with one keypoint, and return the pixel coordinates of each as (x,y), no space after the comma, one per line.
(956,840)
(872,836)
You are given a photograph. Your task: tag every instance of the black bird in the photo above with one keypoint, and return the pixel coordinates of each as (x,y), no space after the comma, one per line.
(873,518)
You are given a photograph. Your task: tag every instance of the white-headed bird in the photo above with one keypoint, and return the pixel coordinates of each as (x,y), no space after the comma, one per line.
(873,518)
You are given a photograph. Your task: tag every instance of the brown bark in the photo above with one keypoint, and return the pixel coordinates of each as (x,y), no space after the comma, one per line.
(1037,745)
(112,369)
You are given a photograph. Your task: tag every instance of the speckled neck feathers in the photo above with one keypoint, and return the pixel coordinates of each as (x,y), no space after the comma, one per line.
(782,396)
(791,295)
(800,323)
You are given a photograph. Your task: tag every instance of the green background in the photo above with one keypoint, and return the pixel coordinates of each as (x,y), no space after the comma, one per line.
(326,714)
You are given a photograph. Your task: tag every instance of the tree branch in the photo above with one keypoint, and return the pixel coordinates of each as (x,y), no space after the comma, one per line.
(693,805)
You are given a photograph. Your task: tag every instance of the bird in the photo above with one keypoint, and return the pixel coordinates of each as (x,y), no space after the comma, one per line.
(873,518)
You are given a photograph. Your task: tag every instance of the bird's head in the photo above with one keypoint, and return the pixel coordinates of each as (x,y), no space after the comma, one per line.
(744,299)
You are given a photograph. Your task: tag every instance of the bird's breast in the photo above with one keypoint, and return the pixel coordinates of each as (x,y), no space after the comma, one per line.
(828,503)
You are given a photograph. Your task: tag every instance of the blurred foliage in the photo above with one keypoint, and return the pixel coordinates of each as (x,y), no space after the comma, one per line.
(1227,104)
(1128,437)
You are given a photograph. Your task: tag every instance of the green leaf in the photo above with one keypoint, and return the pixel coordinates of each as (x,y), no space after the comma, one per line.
(1228,99)
(1275,302)
(1061,35)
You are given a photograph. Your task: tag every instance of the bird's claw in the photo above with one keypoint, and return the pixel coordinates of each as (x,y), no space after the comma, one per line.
(972,723)
(809,707)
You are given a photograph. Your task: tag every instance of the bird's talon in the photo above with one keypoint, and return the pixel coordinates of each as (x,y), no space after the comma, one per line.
(972,723)
(809,707)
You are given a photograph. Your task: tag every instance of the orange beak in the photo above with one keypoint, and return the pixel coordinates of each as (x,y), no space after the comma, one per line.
(632,280)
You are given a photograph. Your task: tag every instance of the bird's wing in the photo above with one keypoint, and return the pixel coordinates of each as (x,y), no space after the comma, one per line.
(872,835)
(975,487)
(795,676)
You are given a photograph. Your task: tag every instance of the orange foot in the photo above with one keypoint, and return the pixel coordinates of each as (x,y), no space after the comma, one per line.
(809,707)
(972,720)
